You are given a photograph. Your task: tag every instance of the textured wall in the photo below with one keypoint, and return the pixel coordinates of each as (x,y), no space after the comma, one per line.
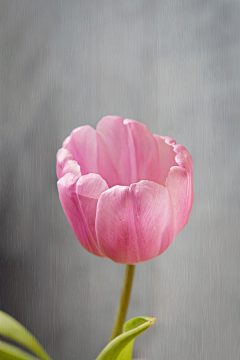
(173,65)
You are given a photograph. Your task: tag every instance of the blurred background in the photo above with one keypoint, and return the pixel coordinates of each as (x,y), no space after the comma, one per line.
(173,65)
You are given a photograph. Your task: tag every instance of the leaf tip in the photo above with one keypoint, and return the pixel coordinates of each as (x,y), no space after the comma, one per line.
(152,321)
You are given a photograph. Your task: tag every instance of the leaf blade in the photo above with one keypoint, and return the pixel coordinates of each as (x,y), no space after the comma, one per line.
(121,347)
(12,352)
(13,330)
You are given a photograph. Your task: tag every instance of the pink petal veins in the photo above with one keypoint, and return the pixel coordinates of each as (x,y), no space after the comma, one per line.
(79,197)
(135,223)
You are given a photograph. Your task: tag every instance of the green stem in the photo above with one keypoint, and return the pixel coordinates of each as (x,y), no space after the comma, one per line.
(123,302)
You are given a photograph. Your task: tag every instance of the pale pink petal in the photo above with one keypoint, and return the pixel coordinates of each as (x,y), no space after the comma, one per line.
(184,160)
(82,144)
(143,152)
(180,149)
(134,224)
(71,167)
(168,140)
(166,156)
(113,155)
(63,155)
(179,183)
(79,197)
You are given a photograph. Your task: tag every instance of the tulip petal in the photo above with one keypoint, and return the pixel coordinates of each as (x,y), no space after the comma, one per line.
(143,152)
(79,196)
(82,144)
(113,155)
(166,156)
(71,167)
(179,183)
(63,156)
(135,223)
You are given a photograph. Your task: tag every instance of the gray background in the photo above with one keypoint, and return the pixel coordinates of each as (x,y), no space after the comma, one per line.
(173,65)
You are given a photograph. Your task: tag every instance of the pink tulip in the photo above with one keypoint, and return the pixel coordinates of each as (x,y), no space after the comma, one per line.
(126,193)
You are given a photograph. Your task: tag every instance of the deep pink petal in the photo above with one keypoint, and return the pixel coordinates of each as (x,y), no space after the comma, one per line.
(134,224)
(166,156)
(79,197)
(82,144)
(113,155)
(143,152)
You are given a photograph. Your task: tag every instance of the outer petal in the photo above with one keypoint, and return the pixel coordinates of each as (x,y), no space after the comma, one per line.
(166,156)
(134,224)
(113,155)
(79,197)
(179,183)
(82,144)
(143,152)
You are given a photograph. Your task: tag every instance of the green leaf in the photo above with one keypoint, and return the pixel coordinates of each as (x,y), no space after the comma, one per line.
(13,330)
(121,347)
(11,352)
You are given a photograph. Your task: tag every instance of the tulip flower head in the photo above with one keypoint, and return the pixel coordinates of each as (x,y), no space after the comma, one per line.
(126,192)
